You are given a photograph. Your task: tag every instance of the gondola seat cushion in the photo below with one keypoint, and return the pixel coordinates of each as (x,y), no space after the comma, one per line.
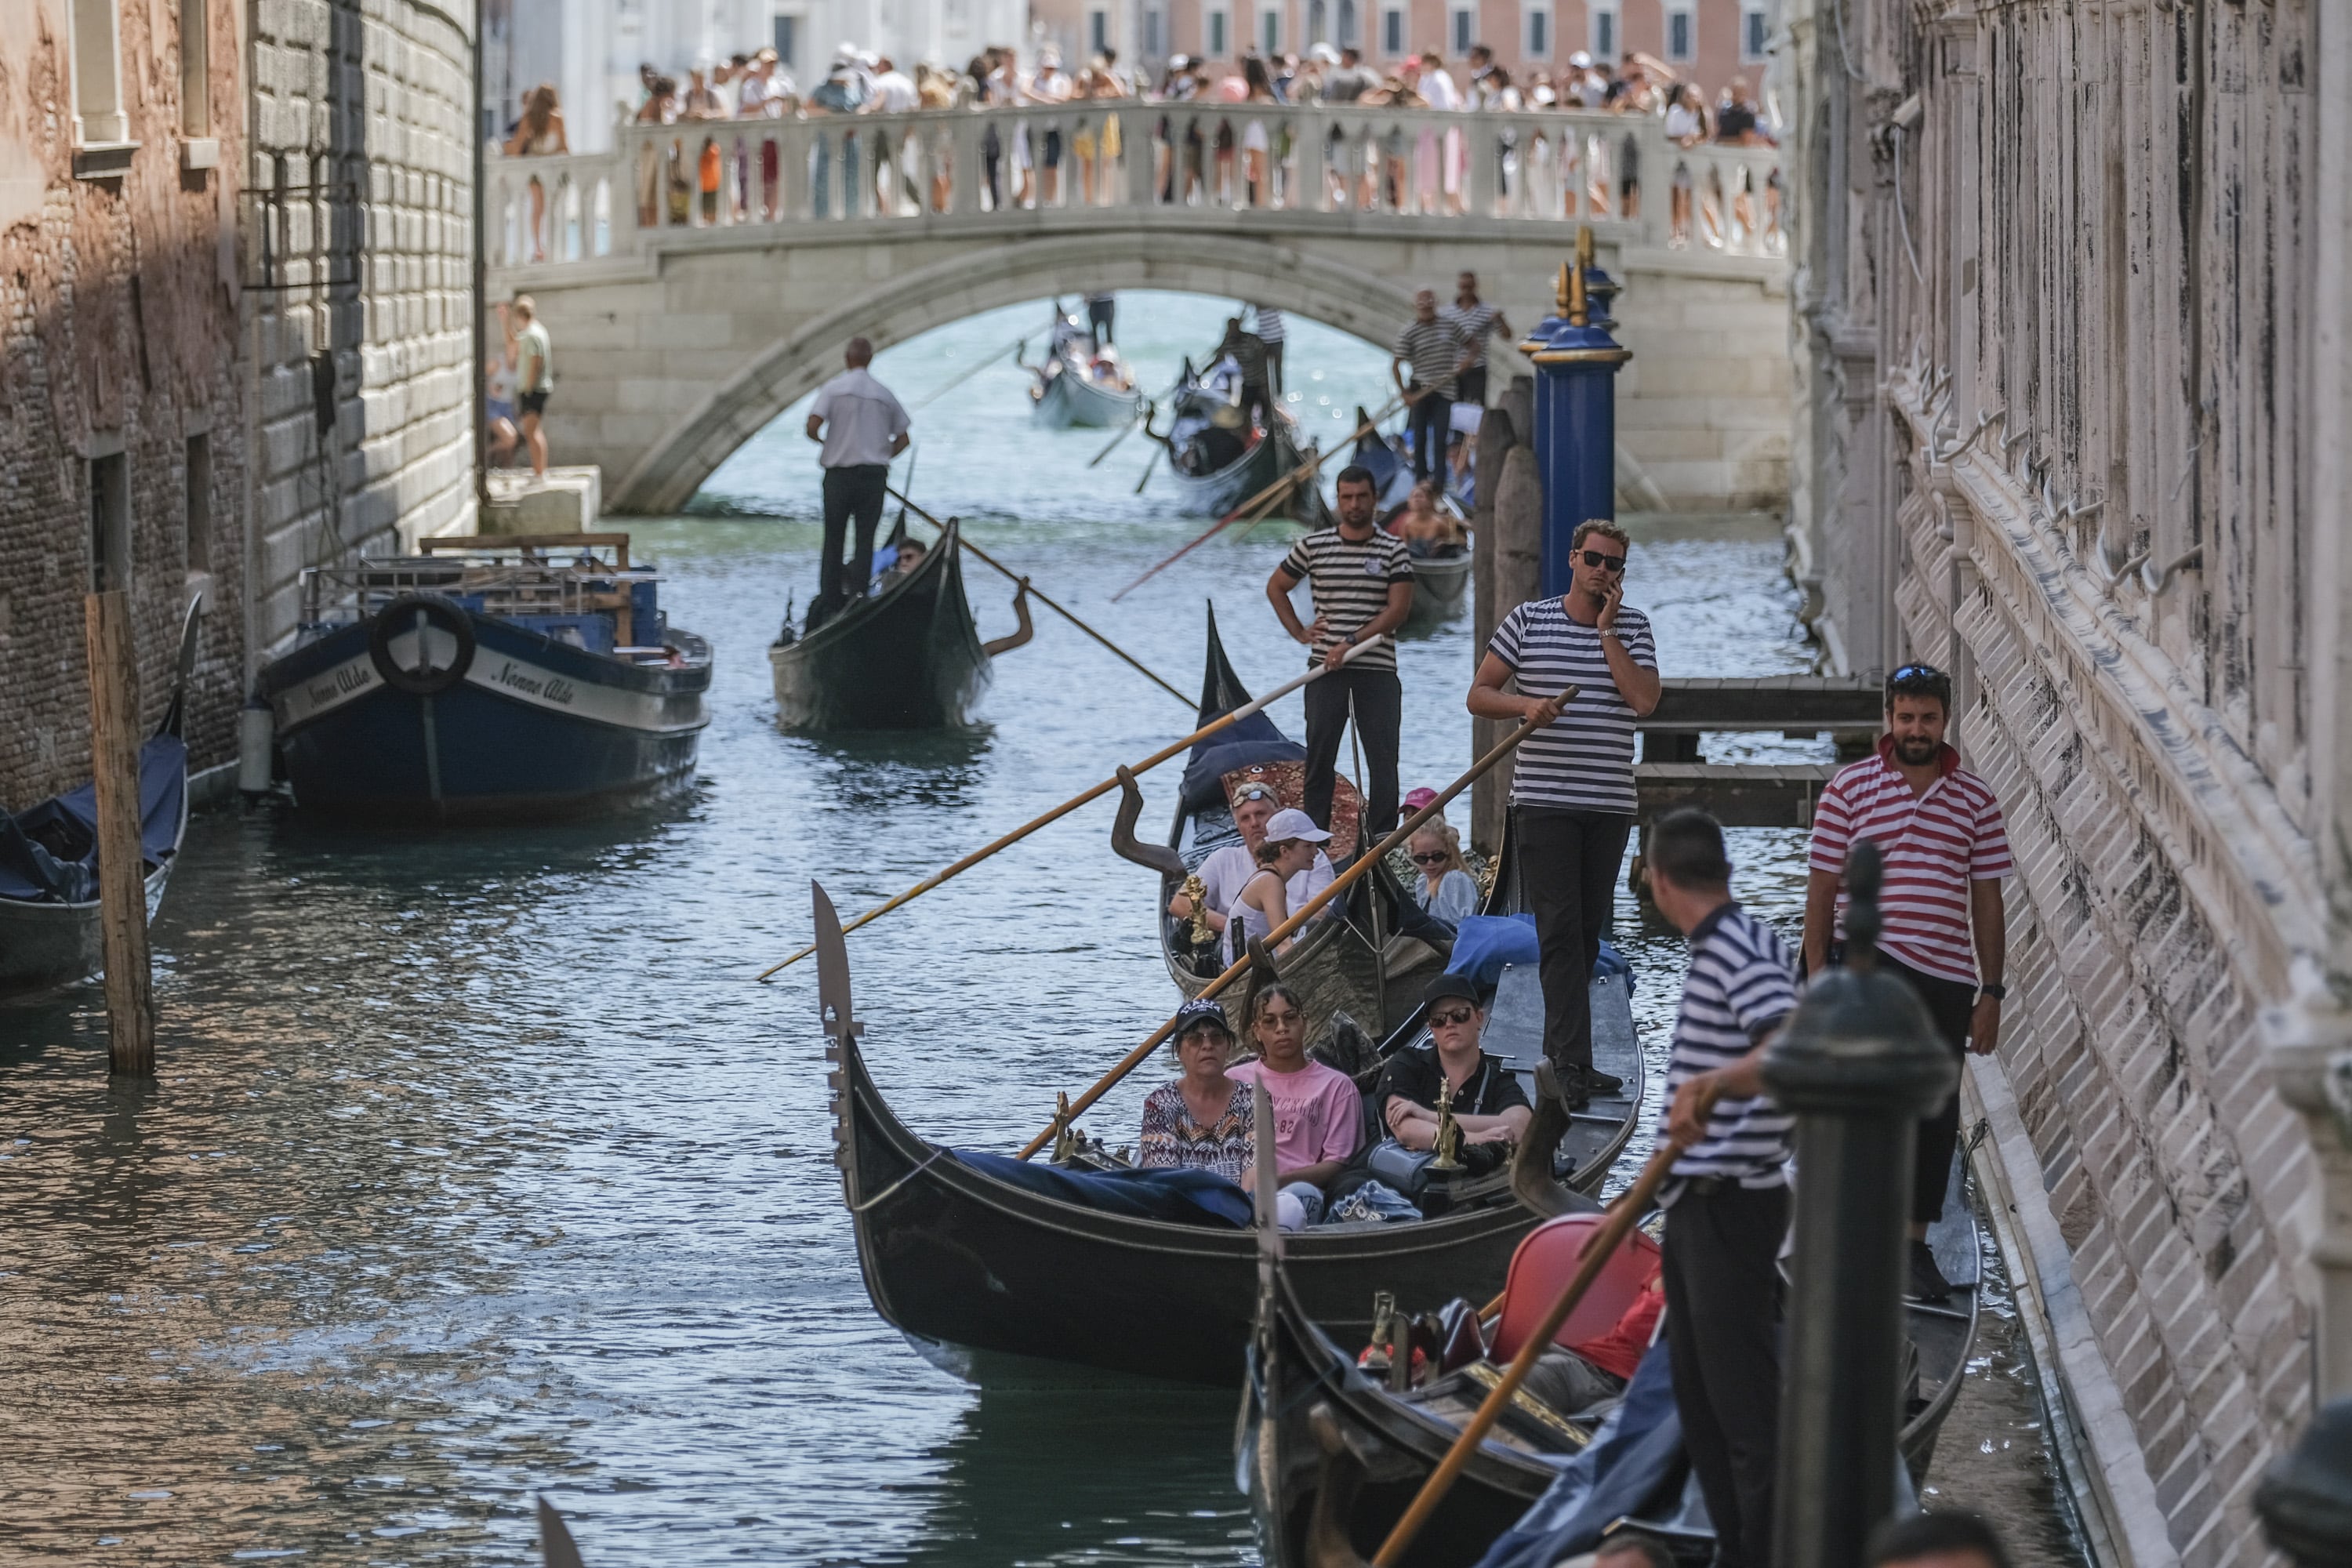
(1173,1197)
(1546,1259)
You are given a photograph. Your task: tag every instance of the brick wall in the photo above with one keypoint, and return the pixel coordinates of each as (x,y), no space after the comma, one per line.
(358,242)
(118,334)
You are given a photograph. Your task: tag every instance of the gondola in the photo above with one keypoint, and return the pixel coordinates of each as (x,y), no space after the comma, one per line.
(1441,583)
(1079,383)
(51,931)
(971,1254)
(1370,964)
(487,679)
(908,658)
(1220,459)
(1343,1455)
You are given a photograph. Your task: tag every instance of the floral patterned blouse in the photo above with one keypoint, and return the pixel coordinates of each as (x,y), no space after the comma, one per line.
(1172,1138)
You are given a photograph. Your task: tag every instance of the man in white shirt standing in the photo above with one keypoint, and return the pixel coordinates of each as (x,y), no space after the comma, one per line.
(860,425)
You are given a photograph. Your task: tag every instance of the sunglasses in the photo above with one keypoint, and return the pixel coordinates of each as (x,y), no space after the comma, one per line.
(1914,673)
(1440,858)
(1606,562)
(1451,1017)
(1255,792)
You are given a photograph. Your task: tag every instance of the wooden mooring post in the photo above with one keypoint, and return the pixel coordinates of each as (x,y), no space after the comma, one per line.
(121,863)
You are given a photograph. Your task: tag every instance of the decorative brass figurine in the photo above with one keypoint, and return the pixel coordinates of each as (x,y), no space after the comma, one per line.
(1197,892)
(1449,1131)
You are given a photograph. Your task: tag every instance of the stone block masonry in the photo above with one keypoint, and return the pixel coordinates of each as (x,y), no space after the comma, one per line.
(122,445)
(359,246)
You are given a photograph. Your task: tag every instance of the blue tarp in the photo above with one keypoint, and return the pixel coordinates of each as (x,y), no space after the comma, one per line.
(1184,1197)
(1638,1448)
(1483,944)
(1253,740)
(32,872)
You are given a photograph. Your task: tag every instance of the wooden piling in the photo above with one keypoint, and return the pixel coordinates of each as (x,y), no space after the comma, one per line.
(121,864)
(1507,428)
(1518,572)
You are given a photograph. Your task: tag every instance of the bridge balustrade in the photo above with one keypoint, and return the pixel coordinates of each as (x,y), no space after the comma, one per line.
(1220,164)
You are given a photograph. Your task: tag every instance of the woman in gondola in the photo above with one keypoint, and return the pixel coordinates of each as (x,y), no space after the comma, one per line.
(1424,527)
(1318,1117)
(1445,888)
(1203,1121)
(1264,902)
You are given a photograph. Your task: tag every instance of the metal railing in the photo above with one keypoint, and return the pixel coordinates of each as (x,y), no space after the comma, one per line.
(1355,167)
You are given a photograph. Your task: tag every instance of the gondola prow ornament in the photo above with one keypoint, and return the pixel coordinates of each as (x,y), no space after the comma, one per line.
(1858,1065)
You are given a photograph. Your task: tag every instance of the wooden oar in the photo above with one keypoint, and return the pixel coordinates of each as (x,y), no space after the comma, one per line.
(1622,1213)
(958,868)
(1124,431)
(1147,466)
(1265,497)
(1020,347)
(1339,884)
(1045,599)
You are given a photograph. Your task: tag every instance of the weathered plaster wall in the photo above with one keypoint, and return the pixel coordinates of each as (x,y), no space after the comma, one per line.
(118,333)
(360,250)
(2056,292)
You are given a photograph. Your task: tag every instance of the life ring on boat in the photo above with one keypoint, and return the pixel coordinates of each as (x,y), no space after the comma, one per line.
(401,616)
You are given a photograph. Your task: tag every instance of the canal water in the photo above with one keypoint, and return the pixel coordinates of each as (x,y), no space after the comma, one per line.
(479,1166)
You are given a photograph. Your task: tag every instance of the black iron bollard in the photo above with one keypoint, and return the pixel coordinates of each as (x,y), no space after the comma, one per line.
(2306,1502)
(1859,1065)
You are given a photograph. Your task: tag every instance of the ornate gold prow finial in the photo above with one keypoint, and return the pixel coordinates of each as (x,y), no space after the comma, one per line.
(1560,306)
(1196,893)
(1448,1145)
(1583,248)
(1577,315)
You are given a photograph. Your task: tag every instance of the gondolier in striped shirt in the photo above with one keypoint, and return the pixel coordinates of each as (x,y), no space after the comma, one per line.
(1572,783)
(1947,850)
(1266,324)
(1432,350)
(1362,580)
(1476,323)
(1726,1200)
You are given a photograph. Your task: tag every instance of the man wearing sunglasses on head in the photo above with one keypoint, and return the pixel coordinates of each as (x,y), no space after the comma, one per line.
(1572,781)
(1940,829)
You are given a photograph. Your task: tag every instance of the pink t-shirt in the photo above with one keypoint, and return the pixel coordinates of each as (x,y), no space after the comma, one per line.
(1317,1112)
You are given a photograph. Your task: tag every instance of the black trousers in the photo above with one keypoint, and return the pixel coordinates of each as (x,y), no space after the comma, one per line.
(1723,1336)
(1950,1003)
(1378,702)
(1431,424)
(1470,387)
(852,491)
(1568,864)
(1100,314)
(1274,367)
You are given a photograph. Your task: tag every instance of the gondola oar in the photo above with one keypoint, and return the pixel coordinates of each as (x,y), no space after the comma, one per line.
(1045,599)
(1152,463)
(1020,347)
(1622,1213)
(1339,884)
(1265,497)
(956,869)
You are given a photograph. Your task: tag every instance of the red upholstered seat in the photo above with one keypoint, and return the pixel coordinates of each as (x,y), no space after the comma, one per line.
(1542,1266)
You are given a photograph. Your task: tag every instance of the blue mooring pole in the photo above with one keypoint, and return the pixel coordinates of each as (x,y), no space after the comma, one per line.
(1576,413)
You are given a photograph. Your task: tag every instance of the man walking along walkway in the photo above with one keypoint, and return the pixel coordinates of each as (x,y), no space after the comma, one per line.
(1362,581)
(863,427)
(1572,781)
(1432,350)
(1947,850)
(534,381)
(1727,1202)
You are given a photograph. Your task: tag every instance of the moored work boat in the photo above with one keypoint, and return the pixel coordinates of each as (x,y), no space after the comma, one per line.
(907,656)
(50,921)
(1081,382)
(1334,1455)
(1220,458)
(516,677)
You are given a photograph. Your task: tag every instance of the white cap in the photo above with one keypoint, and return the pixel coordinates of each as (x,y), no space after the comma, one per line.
(1326,52)
(1292,823)
(1580,60)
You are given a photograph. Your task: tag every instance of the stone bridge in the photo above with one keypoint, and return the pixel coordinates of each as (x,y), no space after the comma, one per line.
(684,325)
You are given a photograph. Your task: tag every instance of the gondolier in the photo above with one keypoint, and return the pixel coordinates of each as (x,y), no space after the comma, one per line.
(1572,783)
(1727,1202)
(1362,581)
(1940,829)
(860,425)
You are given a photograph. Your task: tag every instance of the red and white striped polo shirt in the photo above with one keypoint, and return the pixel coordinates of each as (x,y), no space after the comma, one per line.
(1935,844)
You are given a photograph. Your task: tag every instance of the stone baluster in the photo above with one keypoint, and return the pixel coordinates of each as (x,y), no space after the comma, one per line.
(1482,141)
(1139,147)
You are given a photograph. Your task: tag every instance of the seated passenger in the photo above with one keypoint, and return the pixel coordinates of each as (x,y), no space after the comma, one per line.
(1488,1102)
(911,555)
(1576,1377)
(1223,872)
(1289,849)
(1204,1120)
(1317,1114)
(1445,888)
(1424,526)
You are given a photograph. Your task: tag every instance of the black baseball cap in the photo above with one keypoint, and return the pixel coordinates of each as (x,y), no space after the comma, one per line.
(1446,985)
(1199,1012)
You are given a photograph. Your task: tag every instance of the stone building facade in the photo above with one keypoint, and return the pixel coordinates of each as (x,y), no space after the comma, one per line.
(2070,323)
(358,258)
(123,455)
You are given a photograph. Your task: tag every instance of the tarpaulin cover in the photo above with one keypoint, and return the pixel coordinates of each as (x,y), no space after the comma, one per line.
(32,873)
(1182,1197)
(1251,742)
(1483,944)
(1637,1450)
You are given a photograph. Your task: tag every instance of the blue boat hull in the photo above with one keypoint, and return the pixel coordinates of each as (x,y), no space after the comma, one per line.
(532,728)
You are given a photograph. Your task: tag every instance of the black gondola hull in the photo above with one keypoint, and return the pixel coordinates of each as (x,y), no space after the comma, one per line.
(909,658)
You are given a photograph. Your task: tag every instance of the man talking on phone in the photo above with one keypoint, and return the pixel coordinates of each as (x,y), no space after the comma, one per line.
(1572,781)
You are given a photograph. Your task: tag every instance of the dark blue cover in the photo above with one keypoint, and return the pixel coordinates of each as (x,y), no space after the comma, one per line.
(1637,1450)
(1253,740)
(1483,944)
(32,874)
(1184,1197)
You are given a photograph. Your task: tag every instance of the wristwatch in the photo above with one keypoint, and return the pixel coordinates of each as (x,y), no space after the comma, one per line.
(1996,990)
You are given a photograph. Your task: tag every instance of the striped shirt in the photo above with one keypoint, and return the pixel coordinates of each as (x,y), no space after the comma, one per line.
(1584,759)
(1270,330)
(1351,586)
(1934,844)
(1433,349)
(1474,324)
(1740,986)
